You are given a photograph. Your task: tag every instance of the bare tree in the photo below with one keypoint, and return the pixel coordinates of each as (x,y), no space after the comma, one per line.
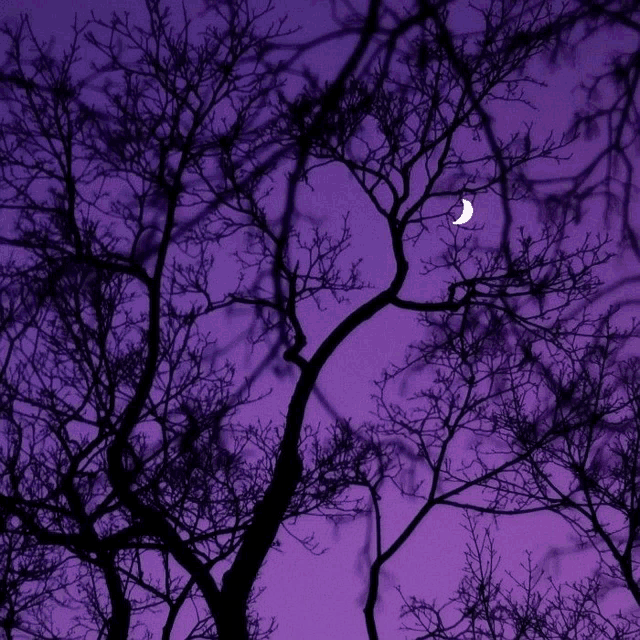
(134,186)
(606,179)
(590,475)
(531,606)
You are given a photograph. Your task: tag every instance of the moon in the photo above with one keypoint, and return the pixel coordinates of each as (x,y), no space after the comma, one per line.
(467,212)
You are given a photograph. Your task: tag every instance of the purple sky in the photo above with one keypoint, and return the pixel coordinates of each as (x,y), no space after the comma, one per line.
(321,597)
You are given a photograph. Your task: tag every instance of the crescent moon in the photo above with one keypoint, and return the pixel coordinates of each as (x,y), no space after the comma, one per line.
(467,212)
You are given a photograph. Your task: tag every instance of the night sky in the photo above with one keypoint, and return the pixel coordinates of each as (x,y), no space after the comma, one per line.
(322,596)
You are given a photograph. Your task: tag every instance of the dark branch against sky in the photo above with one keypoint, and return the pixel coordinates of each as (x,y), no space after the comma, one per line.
(235,313)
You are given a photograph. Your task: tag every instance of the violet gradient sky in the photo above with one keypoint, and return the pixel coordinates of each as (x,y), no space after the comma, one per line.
(321,597)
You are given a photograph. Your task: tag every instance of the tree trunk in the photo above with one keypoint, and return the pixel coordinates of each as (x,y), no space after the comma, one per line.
(231,621)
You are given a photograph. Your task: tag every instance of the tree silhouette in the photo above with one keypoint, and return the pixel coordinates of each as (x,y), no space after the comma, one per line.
(138,170)
(532,608)
(607,115)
